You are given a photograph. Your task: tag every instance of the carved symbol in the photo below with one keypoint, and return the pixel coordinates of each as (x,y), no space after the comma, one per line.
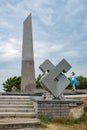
(54,79)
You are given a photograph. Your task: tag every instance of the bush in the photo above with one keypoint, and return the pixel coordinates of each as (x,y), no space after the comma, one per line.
(9,83)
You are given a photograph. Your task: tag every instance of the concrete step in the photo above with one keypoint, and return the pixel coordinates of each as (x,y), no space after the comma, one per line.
(15,100)
(15,97)
(16,106)
(17,114)
(13,123)
(17,109)
(16,103)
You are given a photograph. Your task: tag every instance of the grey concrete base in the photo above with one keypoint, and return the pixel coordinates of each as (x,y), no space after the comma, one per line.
(27,81)
(19,123)
(59,108)
(17,112)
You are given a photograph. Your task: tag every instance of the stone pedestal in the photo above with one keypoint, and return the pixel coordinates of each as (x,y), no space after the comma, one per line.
(55,109)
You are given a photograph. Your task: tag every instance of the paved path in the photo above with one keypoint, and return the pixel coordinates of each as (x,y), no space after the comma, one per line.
(76,96)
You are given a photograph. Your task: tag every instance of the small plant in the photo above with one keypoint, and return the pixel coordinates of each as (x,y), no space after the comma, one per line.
(43,123)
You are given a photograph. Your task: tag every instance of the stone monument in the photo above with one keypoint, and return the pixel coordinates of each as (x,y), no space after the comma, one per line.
(28,72)
(54,79)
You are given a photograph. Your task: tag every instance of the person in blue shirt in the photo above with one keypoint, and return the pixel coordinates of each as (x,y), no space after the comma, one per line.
(73,81)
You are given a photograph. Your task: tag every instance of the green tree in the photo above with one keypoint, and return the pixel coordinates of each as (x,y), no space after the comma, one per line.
(16,81)
(37,81)
(83,82)
(9,83)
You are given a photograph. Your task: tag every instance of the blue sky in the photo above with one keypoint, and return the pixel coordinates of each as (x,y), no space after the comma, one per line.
(59,31)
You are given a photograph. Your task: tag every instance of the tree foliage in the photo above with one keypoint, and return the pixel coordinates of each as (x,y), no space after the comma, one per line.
(37,81)
(9,83)
(83,82)
(16,81)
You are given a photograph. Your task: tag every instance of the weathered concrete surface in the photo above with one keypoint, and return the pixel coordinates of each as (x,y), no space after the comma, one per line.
(27,81)
(28,72)
(19,123)
(76,112)
(17,112)
(59,108)
(54,80)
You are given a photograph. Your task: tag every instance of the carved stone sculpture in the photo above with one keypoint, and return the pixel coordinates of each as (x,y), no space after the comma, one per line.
(54,79)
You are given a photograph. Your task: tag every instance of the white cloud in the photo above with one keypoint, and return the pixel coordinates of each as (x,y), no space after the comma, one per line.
(43,49)
(5,24)
(76,10)
(45,16)
(71,53)
(9,50)
(72,9)
(56,47)
(70,2)
(24,8)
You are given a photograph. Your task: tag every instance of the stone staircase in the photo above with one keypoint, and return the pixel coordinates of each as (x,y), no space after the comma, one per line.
(17,112)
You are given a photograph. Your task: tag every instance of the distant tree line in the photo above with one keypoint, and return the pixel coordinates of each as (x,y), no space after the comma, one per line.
(16,81)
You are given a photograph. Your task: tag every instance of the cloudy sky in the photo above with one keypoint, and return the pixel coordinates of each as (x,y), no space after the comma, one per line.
(59,31)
